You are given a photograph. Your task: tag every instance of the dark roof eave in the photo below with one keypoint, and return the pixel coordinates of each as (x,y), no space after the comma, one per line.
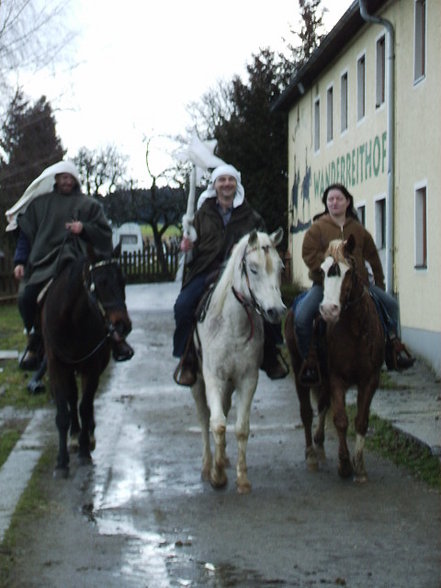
(349,24)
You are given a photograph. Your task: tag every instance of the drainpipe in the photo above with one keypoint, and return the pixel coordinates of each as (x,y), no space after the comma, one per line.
(390,201)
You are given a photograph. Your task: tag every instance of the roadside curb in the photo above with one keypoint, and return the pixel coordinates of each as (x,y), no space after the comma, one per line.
(17,470)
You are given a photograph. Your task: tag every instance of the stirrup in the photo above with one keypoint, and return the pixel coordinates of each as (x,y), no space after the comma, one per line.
(183,375)
(310,373)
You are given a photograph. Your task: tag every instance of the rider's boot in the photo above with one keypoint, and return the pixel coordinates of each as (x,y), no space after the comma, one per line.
(397,355)
(310,374)
(121,350)
(33,354)
(186,370)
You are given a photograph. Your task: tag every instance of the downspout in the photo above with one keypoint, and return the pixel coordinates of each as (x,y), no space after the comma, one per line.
(390,201)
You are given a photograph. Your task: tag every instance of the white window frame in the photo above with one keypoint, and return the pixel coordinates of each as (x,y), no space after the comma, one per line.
(421,252)
(420,41)
(330,113)
(380,71)
(361,87)
(361,212)
(317,124)
(380,226)
(344,102)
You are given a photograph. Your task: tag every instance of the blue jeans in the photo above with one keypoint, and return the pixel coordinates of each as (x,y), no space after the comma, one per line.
(308,307)
(391,305)
(184,309)
(305,313)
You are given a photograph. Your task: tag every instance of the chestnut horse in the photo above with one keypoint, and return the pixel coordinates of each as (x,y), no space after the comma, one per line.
(83,309)
(354,354)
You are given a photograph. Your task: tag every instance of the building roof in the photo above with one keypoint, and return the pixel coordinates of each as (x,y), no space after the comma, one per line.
(333,44)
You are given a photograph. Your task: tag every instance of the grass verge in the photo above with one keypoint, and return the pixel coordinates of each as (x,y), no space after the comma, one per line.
(10,433)
(402,450)
(32,505)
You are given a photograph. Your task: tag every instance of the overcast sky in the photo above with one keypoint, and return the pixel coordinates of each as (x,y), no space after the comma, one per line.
(139,64)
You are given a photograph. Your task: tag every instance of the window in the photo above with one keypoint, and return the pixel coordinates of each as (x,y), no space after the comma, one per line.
(344,101)
(381,71)
(330,114)
(380,223)
(421,228)
(317,124)
(361,87)
(361,211)
(420,40)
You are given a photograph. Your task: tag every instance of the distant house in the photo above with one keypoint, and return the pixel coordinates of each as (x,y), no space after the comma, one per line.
(130,236)
(365,111)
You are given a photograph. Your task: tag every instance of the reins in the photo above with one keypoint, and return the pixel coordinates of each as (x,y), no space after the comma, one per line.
(90,289)
(254,305)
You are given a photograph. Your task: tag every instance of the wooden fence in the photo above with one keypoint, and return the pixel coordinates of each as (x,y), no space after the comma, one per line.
(143,266)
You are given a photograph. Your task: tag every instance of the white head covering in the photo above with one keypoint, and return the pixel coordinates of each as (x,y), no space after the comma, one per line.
(224,170)
(41,185)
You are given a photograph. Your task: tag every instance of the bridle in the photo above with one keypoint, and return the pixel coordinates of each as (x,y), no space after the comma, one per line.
(89,285)
(249,306)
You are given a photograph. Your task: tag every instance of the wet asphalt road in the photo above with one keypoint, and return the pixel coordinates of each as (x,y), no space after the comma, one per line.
(141,516)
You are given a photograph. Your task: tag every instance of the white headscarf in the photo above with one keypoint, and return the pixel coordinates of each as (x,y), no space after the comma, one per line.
(41,185)
(224,170)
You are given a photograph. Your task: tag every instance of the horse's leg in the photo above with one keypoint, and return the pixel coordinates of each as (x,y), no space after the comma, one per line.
(307,414)
(341,425)
(60,384)
(89,385)
(303,394)
(73,406)
(218,425)
(365,394)
(319,433)
(245,394)
(198,391)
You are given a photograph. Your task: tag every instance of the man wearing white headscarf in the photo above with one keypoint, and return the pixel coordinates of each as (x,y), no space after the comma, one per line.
(222,218)
(56,222)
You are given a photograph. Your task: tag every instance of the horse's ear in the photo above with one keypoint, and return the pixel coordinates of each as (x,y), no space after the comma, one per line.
(117,251)
(252,238)
(277,236)
(349,245)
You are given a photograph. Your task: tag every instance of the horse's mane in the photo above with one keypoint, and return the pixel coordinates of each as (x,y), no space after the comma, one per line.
(336,250)
(74,270)
(226,280)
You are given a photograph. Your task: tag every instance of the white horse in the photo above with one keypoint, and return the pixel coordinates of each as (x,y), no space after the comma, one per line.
(229,342)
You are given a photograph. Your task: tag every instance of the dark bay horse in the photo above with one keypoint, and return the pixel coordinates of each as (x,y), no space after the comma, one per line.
(354,354)
(84,308)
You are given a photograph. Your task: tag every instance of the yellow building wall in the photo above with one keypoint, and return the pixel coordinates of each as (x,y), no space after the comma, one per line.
(363,147)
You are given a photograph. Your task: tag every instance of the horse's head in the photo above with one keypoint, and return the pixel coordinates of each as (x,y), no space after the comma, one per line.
(337,285)
(106,285)
(258,273)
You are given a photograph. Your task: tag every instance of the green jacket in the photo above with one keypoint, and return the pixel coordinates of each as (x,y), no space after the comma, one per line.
(214,240)
(51,246)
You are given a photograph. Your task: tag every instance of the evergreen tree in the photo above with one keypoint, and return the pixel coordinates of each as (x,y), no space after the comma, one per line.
(28,143)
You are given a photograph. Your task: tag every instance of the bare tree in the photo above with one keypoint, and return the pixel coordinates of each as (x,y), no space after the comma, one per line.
(102,171)
(33,36)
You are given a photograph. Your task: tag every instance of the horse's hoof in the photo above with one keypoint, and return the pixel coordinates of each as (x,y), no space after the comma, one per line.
(311,459)
(218,482)
(360,479)
(244,488)
(92,443)
(61,473)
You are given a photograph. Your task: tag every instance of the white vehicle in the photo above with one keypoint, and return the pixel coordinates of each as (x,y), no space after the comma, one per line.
(130,236)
